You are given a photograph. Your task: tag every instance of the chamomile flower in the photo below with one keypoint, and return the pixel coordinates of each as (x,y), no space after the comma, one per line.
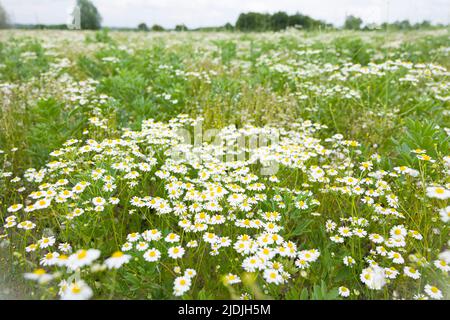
(117,259)
(148,235)
(15,207)
(82,258)
(133,237)
(65,247)
(231,279)
(127,246)
(172,238)
(77,290)
(438,193)
(411,272)
(10,224)
(39,275)
(337,239)
(190,273)
(26,225)
(398,232)
(433,292)
(181,285)
(192,244)
(376,238)
(442,265)
(445,214)
(46,242)
(373,277)
(176,252)
(344,292)
(31,248)
(345,232)
(391,273)
(49,259)
(152,255)
(396,257)
(349,261)
(98,201)
(272,276)
(42,204)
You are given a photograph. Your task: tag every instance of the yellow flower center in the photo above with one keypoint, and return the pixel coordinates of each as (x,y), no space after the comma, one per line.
(76,289)
(39,272)
(82,254)
(117,254)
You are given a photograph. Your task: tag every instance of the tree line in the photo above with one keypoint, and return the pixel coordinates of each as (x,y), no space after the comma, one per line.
(255,21)
(356,23)
(90,19)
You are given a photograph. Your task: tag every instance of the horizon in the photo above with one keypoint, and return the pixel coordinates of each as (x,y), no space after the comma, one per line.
(216,13)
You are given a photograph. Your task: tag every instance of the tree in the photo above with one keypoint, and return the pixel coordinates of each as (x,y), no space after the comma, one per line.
(298,20)
(404,25)
(4,18)
(157,27)
(425,24)
(181,27)
(353,23)
(279,21)
(228,27)
(142,27)
(253,21)
(89,15)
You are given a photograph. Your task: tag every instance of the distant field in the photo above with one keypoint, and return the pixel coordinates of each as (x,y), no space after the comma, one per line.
(291,165)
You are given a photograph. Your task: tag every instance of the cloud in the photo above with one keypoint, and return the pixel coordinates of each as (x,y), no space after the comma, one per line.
(196,13)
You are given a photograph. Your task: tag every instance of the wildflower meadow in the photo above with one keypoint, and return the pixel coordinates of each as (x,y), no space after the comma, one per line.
(213,165)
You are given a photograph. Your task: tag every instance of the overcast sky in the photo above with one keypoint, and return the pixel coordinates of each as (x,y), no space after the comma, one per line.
(199,13)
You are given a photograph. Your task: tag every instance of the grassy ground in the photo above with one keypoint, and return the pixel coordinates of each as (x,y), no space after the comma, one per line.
(362,121)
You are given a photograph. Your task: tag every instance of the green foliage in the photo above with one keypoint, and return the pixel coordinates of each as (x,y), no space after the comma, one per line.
(103,36)
(143,27)
(89,15)
(227,50)
(254,21)
(279,21)
(22,59)
(50,126)
(353,23)
(4,18)
(355,48)
(157,27)
(305,22)
(318,292)
(421,134)
(181,27)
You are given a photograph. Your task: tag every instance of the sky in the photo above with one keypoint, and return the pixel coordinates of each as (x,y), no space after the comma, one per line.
(202,13)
